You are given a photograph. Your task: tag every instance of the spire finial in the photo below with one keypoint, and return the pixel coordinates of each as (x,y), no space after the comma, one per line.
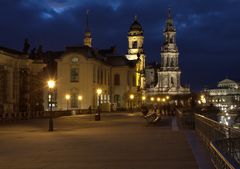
(169,12)
(135,17)
(87,24)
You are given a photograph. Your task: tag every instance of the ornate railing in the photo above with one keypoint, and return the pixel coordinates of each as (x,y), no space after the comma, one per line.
(222,141)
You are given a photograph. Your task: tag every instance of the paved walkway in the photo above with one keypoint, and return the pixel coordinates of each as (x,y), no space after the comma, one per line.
(118,141)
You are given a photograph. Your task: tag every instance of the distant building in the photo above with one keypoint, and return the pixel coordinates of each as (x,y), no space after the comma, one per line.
(21,82)
(226,96)
(169,75)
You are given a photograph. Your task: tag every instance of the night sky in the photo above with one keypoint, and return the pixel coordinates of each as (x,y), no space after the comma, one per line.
(208,31)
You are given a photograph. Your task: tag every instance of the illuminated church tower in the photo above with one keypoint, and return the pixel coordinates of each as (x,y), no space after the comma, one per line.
(136,52)
(169,75)
(87,39)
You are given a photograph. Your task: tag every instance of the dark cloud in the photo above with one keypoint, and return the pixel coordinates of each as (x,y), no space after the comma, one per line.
(207,31)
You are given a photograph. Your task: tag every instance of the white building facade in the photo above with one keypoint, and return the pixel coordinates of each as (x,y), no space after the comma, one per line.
(169,75)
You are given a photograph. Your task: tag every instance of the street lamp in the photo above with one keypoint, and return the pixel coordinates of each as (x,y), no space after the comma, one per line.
(97,116)
(51,85)
(152,99)
(79,99)
(143,99)
(131,96)
(167,97)
(158,99)
(67,97)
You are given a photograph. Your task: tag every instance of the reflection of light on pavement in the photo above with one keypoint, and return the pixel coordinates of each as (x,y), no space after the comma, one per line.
(130,114)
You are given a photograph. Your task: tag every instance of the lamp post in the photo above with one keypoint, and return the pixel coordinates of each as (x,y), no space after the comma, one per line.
(131,96)
(97,115)
(51,85)
(143,100)
(67,97)
(79,99)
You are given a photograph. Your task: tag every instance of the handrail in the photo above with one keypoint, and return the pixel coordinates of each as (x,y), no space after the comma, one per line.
(222,141)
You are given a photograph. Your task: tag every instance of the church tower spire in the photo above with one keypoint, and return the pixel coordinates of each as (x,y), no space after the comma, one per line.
(169,75)
(87,34)
(136,51)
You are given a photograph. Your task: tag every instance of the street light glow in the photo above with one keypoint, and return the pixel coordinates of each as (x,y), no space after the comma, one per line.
(80,98)
(131,96)
(167,97)
(158,99)
(163,99)
(152,98)
(99,91)
(51,84)
(143,97)
(67,96)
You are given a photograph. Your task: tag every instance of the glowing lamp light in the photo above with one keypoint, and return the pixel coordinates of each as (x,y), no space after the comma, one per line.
(131,96)
(158,99)
(152,99)
(143,98)
(67,96)
(51,84)
(163,99)
(79,98)
(167,97)
(99,91)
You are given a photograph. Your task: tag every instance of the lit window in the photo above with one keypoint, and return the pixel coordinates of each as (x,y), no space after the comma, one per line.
(74,74)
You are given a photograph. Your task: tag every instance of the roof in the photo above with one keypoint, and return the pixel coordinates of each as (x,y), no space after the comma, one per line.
(120,61)
(12,51)
(136,26)
(227,81)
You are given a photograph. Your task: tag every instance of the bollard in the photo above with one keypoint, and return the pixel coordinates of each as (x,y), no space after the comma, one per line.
(97,117)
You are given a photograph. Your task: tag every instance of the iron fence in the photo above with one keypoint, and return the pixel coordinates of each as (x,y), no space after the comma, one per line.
(222,141)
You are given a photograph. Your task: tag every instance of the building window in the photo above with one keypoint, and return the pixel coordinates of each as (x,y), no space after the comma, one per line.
(128,78)
(101,76)
(105,76)
(134,80)
(134,46)
(74,74)
(74,101)
(94,74)
(116,79)
(98,76)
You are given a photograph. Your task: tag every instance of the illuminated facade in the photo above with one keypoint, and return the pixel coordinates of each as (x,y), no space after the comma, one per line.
(169,75)
(21,83)
(136,51)
(82,70)
(226,96)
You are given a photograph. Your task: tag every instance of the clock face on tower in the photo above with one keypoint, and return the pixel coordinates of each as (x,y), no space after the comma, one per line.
(75,59)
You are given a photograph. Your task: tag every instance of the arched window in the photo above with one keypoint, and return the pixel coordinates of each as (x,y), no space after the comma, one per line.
(116,79)
(101,76)
(134,46)
(172,81)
